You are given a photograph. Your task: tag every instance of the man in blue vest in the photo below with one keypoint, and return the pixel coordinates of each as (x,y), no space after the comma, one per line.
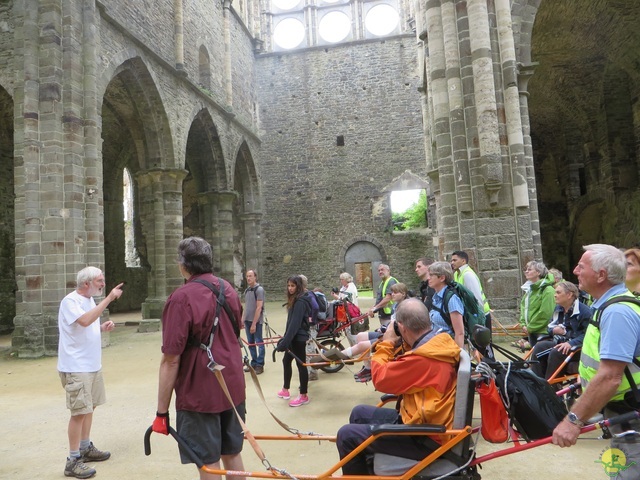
(607,356)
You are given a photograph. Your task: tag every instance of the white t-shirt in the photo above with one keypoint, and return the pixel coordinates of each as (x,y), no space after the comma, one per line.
(79,348)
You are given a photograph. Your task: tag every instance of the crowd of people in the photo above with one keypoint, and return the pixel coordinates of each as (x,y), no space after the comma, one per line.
(413,351)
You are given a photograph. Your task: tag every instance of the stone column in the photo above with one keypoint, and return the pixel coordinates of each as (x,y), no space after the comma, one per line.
(252,240)
(161,214)
(225,232)
(441,171)
(208,203)
(217,210)
(228,74)
(485,97)
(179,34)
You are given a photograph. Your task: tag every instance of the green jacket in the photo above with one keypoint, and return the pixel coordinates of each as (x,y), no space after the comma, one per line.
(537,305)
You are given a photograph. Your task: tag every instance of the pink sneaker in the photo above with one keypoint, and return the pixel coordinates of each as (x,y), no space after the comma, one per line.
(284,393)
(299,400)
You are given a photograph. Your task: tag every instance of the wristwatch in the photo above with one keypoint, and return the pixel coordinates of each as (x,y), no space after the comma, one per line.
(573,419)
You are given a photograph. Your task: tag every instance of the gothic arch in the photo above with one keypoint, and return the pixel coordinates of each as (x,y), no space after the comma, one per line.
(247,214)
(523,13)
(130,93)
(136,135)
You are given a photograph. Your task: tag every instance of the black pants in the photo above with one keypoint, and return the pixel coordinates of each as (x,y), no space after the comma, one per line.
(362,418)
(299,349)
(549,363)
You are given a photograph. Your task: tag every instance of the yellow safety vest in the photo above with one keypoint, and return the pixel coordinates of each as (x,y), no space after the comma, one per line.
(458,277)
(590,355)
(383,290)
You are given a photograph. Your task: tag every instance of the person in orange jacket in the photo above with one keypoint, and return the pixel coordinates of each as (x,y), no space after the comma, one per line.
(423,372)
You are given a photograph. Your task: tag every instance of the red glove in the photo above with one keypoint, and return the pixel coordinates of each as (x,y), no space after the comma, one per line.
(161,423)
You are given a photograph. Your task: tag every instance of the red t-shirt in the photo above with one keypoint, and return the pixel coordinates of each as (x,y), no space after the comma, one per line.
(188,315)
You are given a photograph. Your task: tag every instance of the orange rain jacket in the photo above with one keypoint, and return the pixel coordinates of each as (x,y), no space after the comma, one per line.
(425,377)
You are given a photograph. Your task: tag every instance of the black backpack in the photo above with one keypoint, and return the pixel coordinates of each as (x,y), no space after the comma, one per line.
(473,314)
(533,406)
(323,305)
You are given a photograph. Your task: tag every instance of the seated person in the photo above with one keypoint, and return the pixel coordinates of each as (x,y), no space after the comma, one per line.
(364,340)
(567,329)
(424,374)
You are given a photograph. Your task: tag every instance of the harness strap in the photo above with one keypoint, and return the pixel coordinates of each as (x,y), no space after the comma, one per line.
(222,301)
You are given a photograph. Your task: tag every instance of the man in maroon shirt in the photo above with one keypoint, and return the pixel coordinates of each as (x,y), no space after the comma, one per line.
(205,419)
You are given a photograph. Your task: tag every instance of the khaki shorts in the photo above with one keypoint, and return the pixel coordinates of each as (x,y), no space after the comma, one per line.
(85,391)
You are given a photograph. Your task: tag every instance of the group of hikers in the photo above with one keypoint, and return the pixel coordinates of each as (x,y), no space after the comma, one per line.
(416,353)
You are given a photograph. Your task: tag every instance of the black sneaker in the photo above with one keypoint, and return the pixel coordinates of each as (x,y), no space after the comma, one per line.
(75,468)
(92,454)
(363,371)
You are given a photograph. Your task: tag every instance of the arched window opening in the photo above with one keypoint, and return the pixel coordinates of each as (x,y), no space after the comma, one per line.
(409,209)
(131,255)
(204,68)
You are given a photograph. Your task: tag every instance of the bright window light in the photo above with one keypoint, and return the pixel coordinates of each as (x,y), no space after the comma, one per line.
(334,27)
(289,33)
(381,20)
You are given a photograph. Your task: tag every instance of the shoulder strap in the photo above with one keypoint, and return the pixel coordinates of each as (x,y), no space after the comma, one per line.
(444,311)
(221,300)
(622,298)
(596,323)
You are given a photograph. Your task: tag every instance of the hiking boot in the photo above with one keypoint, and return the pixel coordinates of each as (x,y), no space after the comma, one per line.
(75,468)
(92,454)
(259,369)
(284,393)
(299,400)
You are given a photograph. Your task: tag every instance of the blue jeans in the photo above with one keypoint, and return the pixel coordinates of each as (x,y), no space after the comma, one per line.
(257,352)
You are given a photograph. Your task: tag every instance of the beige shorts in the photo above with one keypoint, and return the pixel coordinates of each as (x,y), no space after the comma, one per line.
(85,391)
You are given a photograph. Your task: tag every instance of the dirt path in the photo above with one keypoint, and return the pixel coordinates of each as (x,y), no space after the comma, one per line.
(33,420)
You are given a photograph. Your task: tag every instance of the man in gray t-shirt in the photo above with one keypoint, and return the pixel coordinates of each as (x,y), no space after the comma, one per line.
(253,318)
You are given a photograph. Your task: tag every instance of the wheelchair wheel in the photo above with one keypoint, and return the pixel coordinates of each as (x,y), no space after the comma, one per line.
(328,344)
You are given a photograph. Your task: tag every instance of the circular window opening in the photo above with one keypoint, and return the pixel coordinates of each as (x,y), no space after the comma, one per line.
(334,27)
(381,20)
(289,33)
(286,4)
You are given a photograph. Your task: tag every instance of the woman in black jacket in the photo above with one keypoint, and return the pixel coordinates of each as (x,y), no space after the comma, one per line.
(566,331)
(294,340)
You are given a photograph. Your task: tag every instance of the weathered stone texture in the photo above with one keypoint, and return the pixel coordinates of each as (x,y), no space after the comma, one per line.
(320,196)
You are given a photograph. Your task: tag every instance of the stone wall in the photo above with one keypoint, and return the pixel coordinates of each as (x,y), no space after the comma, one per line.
(320,197)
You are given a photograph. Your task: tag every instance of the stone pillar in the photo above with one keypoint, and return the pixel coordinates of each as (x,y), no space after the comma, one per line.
(179,33)
(225,233)
(161,215)
(485,97)
(478,146)
(228,73)
(217,211)
(252,240)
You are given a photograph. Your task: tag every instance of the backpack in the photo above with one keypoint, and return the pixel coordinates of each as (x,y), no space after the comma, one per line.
(473,314)
(323,305)
(533,406)
(255,293)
